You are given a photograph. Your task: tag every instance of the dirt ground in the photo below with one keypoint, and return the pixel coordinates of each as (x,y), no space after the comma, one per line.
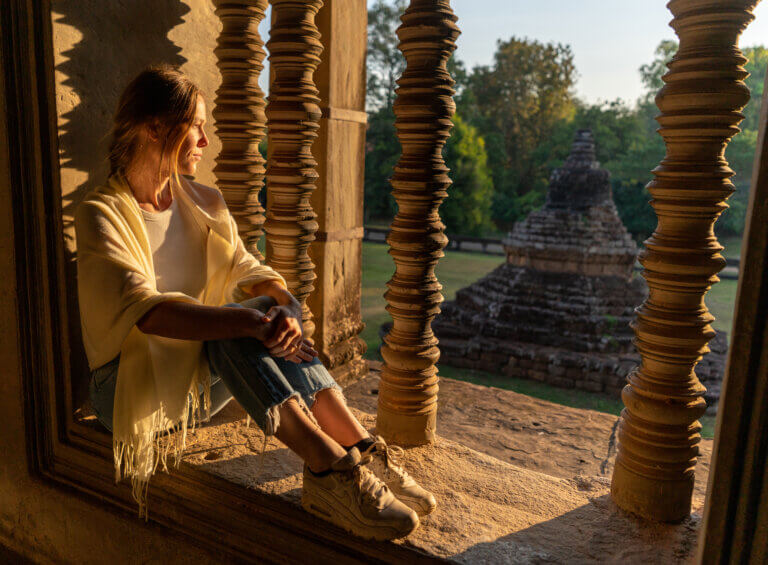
(518,480)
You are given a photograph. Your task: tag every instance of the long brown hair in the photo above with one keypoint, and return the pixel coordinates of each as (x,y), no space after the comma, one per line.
(161,95)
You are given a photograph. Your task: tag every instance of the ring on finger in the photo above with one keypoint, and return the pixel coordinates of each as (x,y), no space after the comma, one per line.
(295,344)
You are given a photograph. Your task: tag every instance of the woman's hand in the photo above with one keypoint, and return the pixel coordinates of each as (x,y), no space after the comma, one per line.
(256,326)
(288,338)
(305,352)
(288,334)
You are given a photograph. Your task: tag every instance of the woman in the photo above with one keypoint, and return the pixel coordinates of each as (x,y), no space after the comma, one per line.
(161,270)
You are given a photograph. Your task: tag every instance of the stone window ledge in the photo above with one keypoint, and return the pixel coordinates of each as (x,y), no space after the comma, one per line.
(517,479)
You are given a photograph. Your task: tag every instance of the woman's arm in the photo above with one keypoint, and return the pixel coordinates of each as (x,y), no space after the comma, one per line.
(185,320)
(276,290)
(278,329)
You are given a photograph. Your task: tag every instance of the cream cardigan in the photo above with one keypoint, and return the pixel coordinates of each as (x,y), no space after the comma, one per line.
(157,377)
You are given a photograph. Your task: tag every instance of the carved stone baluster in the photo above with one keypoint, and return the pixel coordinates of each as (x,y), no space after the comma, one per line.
(423,108)
(700,103)
(293,118)
(239,115)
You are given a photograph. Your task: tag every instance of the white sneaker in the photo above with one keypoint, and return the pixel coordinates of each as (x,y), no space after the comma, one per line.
(384,461)
(353,498)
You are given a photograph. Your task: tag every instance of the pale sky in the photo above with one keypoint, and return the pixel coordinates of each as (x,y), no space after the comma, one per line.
(610,40)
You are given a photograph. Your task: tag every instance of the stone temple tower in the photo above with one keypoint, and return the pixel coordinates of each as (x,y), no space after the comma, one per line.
(559,310)
(578,230)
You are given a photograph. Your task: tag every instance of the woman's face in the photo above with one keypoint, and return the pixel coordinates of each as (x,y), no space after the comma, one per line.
(192,147)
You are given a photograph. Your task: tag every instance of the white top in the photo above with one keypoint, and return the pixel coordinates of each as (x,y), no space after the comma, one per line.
(178,250)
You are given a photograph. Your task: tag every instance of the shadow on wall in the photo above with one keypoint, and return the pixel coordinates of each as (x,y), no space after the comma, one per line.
(99,47)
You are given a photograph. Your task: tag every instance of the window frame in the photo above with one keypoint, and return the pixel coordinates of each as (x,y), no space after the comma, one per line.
(72,455)
(78,459)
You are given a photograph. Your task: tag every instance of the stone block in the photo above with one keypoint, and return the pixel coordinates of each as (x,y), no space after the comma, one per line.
(616,381)
(556,370)
(540,376)
(497,359)
(595,377)
(516,372)
(590,386)
(562,382)
(460,362)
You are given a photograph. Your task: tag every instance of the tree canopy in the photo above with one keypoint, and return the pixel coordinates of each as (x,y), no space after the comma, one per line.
(384,62)
(514,124)
(515,104)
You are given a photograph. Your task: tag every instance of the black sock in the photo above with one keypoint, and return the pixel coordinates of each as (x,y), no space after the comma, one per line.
(320,473)
(361,445)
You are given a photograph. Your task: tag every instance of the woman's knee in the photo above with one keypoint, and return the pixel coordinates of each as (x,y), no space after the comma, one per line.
(262,303)
(327,395)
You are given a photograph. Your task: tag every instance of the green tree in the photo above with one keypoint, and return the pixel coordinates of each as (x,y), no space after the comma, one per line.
(382,151)
(741,150)
(651,73)
(385,63)
(465,152)
(467,210)
(757,62)
(515,104)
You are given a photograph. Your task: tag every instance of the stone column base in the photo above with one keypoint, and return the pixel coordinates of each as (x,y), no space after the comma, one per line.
(406,429)
(652,498)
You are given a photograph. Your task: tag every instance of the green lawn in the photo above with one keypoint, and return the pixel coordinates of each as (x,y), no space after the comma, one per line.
(732,246)
(721,300)
(457,270)
(454,271)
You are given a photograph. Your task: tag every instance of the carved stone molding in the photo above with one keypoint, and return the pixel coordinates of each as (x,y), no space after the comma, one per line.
(423,108)
(239,115)
(338,197)
(699,103)
(293,118)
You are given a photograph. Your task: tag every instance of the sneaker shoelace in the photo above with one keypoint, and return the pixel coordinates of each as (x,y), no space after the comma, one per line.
(392,455)
(370,487)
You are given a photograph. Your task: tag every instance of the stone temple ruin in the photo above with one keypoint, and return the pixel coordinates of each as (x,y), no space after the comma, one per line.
(559,310)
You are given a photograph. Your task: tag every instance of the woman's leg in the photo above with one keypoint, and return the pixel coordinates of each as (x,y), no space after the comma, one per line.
(323,396)
(300,434)
(249,374)
(336,420)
